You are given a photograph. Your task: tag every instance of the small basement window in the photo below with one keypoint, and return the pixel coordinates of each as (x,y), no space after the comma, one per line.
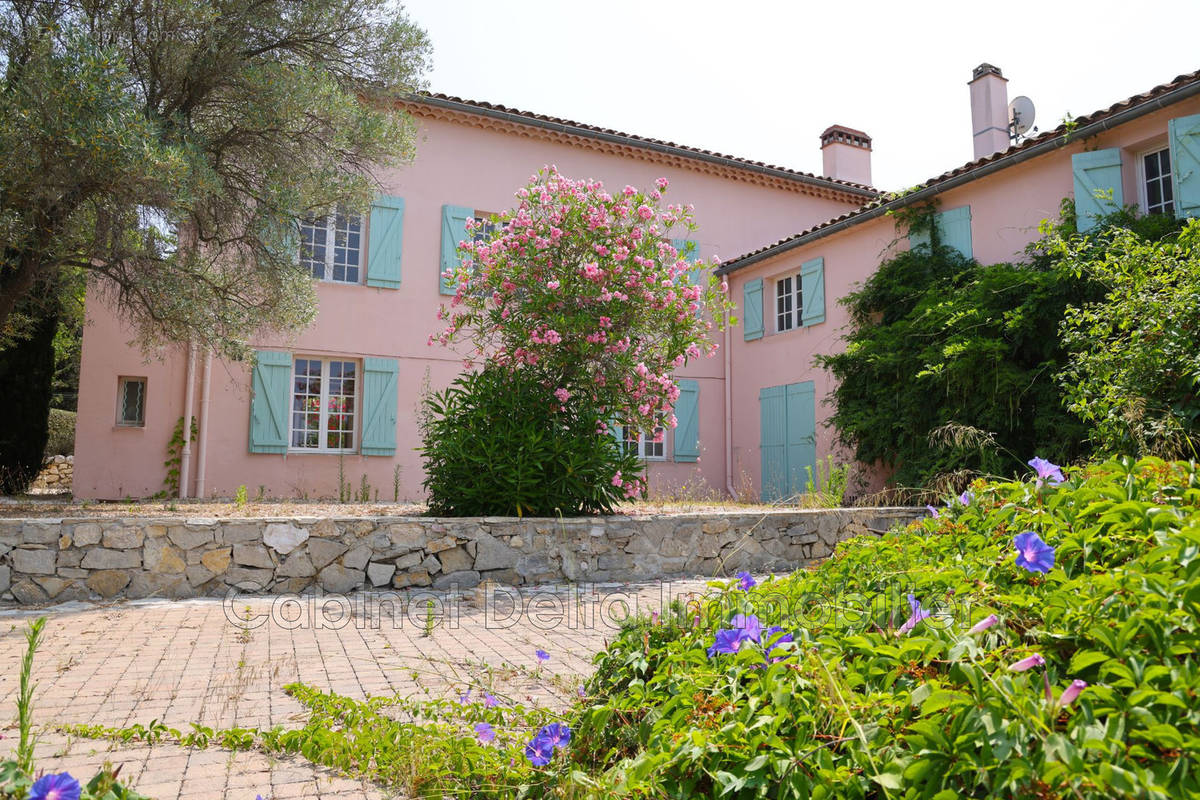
(131,402)
(1158,196)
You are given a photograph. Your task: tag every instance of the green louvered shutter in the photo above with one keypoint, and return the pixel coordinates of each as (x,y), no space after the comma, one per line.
(1097,176)
(801,434)
(270,382)
(386,234)
(752,310)
(380,379)
(687,418)
(454,230)
(812,292)
(1184,133)
(772,411)
(954,228)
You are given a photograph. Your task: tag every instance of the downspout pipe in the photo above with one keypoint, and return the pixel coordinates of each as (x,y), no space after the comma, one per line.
(1041,148)
(728,412)
(202,433)
(189,396)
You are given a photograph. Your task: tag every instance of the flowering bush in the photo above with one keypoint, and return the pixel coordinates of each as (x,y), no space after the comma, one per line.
(584,291)
(1035,639)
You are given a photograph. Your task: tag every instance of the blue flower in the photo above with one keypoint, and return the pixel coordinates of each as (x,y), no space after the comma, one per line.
(489,700)
(542,656)
(748,627)
(771,639)
(537,752)
(1032,553)
(464,698)
(966,497)
(933,512)
(484,732)
(916,616)
(1051,473)
(540,749)
(746,581)
(726,642)
(55,787)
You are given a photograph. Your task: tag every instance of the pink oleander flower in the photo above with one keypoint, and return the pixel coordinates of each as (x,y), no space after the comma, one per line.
(662,184)
(562,394)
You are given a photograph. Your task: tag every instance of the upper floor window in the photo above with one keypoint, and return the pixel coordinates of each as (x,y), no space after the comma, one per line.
(788,303)
(331,246)
(1158,197)
(649,447)
(324,405)
(131,403)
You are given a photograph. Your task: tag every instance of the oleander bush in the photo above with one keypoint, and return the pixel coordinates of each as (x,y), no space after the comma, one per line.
(930,663)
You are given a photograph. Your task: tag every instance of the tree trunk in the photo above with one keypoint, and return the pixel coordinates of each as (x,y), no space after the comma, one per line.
(26,372)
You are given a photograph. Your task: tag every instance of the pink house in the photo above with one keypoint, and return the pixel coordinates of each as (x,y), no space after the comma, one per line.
(341,396)
(753,418)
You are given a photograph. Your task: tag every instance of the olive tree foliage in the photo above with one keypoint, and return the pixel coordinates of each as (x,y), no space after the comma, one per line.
(166,148)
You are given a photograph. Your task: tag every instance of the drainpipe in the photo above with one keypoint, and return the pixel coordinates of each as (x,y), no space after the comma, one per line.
(185,456)
(202,433)
(728,412)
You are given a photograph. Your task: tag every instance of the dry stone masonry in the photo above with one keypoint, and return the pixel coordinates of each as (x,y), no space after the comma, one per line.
(53,560)
(56,476)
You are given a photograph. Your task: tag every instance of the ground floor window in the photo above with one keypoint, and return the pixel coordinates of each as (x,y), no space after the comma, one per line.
(324,404)
(131,402)
(644,445)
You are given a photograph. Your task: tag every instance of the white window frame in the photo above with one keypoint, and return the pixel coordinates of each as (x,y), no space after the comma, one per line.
(122,382)
(645,446)
(323,425)
(331,233)
(788,320)
(1143,196)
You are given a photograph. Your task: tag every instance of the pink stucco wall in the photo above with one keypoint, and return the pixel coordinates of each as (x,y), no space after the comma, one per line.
(456,164)
(1006,208)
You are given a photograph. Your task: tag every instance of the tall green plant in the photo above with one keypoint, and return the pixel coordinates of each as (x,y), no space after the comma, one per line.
(26,739)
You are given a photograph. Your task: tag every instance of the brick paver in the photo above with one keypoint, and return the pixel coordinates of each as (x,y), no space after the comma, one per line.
(186,661)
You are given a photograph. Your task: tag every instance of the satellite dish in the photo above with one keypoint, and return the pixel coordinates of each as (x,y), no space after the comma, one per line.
(1020,116)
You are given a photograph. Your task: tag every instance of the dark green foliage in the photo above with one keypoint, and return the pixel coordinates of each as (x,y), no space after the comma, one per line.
(61,437)
(951,365)
(492,446)
(26,371)
(1134,371)
(859,708)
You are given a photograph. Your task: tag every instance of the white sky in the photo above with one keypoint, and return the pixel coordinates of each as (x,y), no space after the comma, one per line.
(761,79)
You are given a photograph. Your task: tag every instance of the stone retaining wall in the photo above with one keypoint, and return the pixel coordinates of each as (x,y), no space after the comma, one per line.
(56,476)
(44,560)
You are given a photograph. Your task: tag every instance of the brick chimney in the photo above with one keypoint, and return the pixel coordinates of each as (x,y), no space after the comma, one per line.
(989,110)
(846,154)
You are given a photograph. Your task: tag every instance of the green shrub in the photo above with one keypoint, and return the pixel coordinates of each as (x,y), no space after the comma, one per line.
(492,446)
(61,441)
(859,707)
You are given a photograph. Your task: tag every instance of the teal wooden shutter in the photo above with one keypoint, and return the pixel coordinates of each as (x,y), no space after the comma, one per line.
(380,380)
(386,234)
(752,310)
(687,419)
(919,238)
(1184,133)
(954,229)
(812,292)
(801,434)
(772,411)
(454,230)
(1097,176)
(271,382)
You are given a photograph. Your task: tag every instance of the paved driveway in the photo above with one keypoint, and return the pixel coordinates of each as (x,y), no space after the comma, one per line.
(224,663)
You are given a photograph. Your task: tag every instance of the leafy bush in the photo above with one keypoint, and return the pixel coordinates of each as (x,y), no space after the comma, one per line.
(492,447)
(863,694)
(1134,371)
(61,441)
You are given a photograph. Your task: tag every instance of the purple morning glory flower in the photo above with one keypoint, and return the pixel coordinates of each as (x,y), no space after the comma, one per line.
(1051,473)
(966,497)
(1071,692)
(933,512)
(542,656)
(541,747)
(485,733)
(748,627)
(489,700)
(916,616)
(55,787)
(537,752)
(746,581)
(556,735)
(984,624)
(1028,662)
(726,642)
(771,639)
(464,698)
(1032,553)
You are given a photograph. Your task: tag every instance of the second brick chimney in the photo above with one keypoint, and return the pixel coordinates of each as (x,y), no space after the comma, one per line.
(989,110)
(846,154)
